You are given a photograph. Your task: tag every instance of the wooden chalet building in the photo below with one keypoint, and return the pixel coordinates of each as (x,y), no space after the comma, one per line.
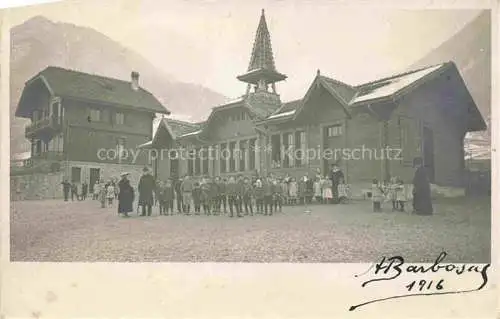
(80,121)
(424,113)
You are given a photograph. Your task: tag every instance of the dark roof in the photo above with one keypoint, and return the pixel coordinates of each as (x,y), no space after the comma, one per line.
(288,107)
(182,127)
(84,86)
(344,91)
(262,110)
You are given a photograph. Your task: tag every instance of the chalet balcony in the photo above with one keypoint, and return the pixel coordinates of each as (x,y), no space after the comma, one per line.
(49,155)
(45,126)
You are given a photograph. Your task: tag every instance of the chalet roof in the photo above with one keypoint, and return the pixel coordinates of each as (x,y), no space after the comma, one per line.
(286,110)
(390,86)
(180,128)
(343,90)
(261,110)
(229,103)
(176,129)
(90,87)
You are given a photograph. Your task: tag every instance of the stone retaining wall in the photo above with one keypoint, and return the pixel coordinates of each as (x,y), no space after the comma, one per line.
(36,186)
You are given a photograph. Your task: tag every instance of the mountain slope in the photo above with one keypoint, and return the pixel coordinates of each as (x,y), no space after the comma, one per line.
(39,42)
(470,49)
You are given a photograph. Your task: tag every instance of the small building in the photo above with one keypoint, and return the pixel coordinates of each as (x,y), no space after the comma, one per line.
(20,159)
(85,127)
(374,130)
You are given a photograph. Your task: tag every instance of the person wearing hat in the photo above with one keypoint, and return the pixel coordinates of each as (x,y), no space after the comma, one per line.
(187,187)
(66,188)
(125,196)
(335,176)
(146,188)
(422,202)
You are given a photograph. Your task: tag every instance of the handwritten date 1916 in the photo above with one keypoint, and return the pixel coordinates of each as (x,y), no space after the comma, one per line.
(391,268)
(425,285)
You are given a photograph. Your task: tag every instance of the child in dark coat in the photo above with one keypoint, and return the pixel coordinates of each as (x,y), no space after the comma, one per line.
(309,190)
(160,196)
(247,196)
(169,196)
(222,196)
(302,190)
(278,195)
(212,196)
(205,197)
(232,196)
(268,196)
(197,196)
(259,196)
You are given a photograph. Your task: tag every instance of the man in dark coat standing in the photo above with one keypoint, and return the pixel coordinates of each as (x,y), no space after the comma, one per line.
(66,188)
(335,176)
(147,186)
(125,196)
(422,202)
(178,194)
(74,192)
(85,188)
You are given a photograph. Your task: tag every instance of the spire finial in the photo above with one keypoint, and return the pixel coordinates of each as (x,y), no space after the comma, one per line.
(261,70)
(318,72)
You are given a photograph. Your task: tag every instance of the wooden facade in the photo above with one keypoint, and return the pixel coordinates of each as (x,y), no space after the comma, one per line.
(423,113)
(80,123)
(374,130)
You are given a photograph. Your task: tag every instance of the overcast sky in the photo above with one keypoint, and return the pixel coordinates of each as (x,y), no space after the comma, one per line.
(209,42)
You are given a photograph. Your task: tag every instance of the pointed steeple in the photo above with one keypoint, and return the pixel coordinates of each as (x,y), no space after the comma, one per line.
(261,70)
(262,52)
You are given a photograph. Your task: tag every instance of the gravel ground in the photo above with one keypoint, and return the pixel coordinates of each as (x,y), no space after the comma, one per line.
(81,231)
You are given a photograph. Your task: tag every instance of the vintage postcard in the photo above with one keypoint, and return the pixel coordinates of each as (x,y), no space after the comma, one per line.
(199,159)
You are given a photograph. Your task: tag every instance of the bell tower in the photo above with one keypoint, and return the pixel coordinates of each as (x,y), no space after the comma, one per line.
(262,76)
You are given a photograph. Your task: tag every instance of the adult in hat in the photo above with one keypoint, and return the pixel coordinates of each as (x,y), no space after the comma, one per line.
(125,195)
(147,186)
(422,202)
(66,188)
(335,176)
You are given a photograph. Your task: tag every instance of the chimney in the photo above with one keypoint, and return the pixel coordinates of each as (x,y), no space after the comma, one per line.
(135,80)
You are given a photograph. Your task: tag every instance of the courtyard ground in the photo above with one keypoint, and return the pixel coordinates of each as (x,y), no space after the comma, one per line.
(53,230)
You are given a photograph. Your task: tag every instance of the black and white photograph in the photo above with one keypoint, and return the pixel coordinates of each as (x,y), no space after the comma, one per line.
(146,131)
(262,145)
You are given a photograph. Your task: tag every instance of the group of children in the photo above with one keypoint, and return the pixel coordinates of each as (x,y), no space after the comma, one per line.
(393,191)
(243,195)
(105,193)
(248,195)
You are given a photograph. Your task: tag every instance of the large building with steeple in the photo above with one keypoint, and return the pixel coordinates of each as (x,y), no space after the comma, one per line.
(374,130)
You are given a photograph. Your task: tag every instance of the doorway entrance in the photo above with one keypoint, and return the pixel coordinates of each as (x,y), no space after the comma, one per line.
(94,177)
(332,140)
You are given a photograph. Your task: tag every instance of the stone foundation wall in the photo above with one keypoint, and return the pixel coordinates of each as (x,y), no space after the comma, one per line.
(107,171)
(36,186)
(47,185)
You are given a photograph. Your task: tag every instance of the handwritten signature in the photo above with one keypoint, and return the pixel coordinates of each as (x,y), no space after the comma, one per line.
(392,267)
